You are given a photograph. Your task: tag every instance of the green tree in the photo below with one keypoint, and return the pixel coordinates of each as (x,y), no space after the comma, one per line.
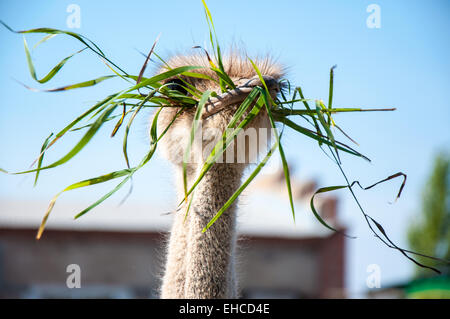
(431,233)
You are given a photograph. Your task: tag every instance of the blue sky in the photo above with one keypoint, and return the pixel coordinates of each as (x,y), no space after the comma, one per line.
(403,64)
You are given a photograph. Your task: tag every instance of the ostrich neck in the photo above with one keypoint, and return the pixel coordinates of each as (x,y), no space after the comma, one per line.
(201,265)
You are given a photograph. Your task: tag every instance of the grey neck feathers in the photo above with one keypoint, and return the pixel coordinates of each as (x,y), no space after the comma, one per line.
(201,265)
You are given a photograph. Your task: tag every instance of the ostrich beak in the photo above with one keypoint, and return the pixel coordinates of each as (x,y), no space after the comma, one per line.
(244,87)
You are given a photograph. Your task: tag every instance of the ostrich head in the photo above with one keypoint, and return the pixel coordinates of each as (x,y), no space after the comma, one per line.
(218,111)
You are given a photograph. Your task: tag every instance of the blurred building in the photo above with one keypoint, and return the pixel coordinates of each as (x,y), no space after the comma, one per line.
(121,255)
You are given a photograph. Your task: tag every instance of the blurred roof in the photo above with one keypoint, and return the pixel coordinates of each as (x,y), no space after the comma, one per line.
(264,210)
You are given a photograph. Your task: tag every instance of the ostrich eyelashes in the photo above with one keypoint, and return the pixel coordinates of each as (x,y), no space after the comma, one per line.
(176,85)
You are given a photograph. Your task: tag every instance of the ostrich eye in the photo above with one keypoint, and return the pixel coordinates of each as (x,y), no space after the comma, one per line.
(177,85)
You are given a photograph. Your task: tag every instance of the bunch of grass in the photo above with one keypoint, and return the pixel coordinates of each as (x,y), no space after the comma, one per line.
(126,104)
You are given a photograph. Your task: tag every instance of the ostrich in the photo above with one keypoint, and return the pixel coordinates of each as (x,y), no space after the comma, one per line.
(201,265)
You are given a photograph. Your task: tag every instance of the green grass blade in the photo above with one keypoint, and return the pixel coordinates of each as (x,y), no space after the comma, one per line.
(241,188)
(195,124)
(320,138)
(326,127)
(268,102)
(118,124)
(330,92)
(163,76)
(306,104)
(84,183)
(52,72)
(141,73)
(313,209)
(98,105)
(80,145)
(41,158)
(73,86)
(309,112)
(226,139)
(90,44)
(104,178)
(251,97)
(200,76)
(282,154)
(44,39)
(258,72)
(144,161)
(188,206)
(127,129)
(210,23)
(225,78)
(104,197)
